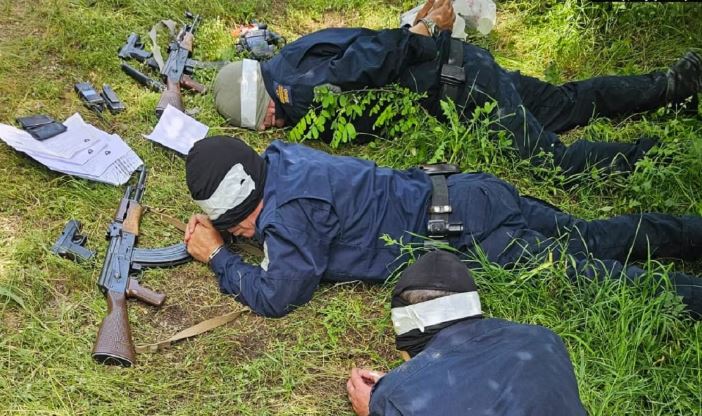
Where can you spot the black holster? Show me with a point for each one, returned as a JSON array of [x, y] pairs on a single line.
[[439, 228]]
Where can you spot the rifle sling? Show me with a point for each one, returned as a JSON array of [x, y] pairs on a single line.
[[194, 330], [166, 218], [153, 33]]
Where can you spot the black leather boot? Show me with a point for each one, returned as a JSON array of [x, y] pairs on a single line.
[[685, 82]]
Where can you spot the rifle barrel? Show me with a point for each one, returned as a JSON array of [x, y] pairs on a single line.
[[141, 185], [141, 78]]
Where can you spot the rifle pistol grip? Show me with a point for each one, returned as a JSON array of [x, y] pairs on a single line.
[[135, 290]]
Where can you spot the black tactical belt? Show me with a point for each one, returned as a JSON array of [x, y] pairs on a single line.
[[439, 228], [453, 77]]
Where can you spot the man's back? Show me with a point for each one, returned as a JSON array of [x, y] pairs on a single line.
[[350, 59], [483, 367], [364, 201]]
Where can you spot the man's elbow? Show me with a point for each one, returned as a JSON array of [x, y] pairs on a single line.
[[265, 309], [277, 301], [273, 312], [270, 301], [272, 309]]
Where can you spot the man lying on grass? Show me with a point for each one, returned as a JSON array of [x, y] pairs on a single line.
[[322, 217], [459, 363], [423, 58]]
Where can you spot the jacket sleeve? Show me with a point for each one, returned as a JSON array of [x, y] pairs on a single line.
[[383, 407], [296, 249], [377, 59]]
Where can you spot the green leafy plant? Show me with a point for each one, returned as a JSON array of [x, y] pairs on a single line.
[[395, 109], [474, 141]]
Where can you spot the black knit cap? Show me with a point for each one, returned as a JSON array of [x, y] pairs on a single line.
[[209, 161], [436, 270]]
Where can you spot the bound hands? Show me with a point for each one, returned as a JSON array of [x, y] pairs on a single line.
[[440, 11], [201, 237], [359, 388]]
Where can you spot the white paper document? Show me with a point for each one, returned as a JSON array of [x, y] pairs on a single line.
[[82, 150], [177, 130]]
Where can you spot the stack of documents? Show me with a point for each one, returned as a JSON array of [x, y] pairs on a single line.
[[82, 150], [177, 130]]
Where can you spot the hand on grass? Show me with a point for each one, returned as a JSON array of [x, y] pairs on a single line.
[[359, 388]]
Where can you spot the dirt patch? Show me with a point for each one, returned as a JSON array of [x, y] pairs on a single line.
[[191, 298], [11, 320], [9, 227], [251, 339], [338, 19], [12, 19], [277, 8]]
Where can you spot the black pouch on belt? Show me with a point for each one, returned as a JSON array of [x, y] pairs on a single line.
[[453, 77]]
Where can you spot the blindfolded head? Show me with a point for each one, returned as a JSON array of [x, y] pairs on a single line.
[[240, 94], [225, 178], [433, 293]]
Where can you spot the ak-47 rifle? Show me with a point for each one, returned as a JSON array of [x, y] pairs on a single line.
[[122, 261], [176, 70]]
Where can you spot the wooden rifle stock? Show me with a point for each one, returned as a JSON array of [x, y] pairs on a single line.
[[171, 95], [114, 343]]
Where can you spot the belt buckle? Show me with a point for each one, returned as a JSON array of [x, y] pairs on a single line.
[[445, 169]]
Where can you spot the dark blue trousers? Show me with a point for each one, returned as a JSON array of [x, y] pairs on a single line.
[[510, 230], [608, 246], [534, 111]]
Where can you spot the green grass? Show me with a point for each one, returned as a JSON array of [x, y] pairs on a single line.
[[633, 352]]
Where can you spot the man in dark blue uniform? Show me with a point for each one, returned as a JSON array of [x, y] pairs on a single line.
[[459, 363], [322, 217], [281, 90]]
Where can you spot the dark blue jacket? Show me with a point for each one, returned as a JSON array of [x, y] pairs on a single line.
[[351, 59], [483, 367], [323, 218]]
